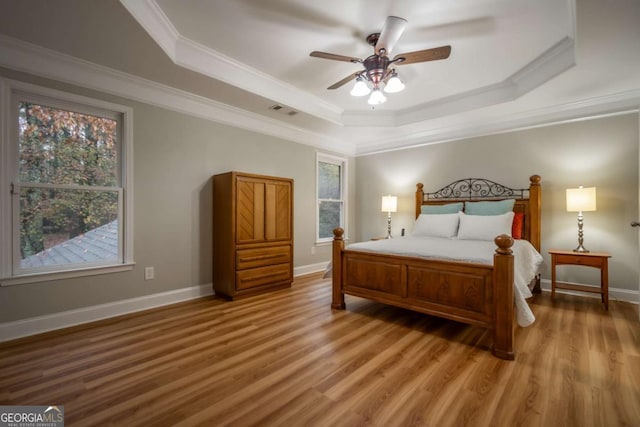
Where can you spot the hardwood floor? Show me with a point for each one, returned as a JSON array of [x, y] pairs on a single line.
[[287, 359]]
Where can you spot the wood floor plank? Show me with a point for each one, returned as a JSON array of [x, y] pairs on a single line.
[[286, 359]]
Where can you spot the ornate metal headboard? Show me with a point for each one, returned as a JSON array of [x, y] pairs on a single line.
[[476, 188], [528, 200]]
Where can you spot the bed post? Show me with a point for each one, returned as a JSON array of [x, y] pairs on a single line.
[[419, 198], [535, 215], [535, 199], [503, 298], [337, 298]]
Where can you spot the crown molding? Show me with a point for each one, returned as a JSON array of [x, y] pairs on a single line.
[[201, 59], [204, 60], [586, 109], [155, 23], [22, 56], [557, 59]]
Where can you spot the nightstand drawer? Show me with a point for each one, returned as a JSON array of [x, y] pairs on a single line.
[[588, 261]]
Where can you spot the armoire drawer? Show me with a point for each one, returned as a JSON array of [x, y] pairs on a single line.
[[261, 276], [251, 258]]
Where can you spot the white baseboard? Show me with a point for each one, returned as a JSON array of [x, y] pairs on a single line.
[[615, 294], [50, 322], [308, 269]]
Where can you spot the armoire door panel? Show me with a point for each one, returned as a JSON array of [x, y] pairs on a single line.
[[244, 207], [258, 211], [283, 212], [270, 211], [250, 211]]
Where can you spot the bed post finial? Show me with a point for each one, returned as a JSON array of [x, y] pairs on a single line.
[[337, 297], [419, 198], [338, 233], [504, 243]]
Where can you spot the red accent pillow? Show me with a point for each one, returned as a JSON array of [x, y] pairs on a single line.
[[516, 227]]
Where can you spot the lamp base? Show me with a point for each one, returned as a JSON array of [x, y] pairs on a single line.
[[580, 249], [388, 225]]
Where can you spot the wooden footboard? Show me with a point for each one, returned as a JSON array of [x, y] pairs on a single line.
[[475, 294]]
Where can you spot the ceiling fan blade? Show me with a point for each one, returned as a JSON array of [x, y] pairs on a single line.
[[344, 81], [335, 57], [391, 32], [434, 54]]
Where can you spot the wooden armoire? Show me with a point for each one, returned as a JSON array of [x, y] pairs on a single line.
[[252, 234]]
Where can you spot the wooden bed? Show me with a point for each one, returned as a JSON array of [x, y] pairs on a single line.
[[475, 294]]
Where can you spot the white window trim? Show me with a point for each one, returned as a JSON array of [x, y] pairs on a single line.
[[328, 158], [7, 147]]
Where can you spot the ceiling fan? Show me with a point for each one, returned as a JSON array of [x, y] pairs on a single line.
[[378, 67]]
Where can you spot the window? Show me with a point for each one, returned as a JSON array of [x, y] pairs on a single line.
[[63, 192], [330, 181]]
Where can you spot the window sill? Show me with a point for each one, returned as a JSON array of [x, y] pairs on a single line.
[[44, 277], [328, 242]]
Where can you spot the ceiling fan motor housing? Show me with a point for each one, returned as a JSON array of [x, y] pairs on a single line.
[[372, 39], [376, 68]]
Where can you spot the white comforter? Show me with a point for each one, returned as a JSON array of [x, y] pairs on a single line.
[[527, 260]]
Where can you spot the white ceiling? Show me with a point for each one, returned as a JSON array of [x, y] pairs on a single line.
[[268, 42], [513, 63]]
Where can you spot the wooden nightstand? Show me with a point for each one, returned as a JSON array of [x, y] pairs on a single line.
[[590, 259]]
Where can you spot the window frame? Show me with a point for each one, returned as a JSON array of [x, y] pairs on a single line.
[[10, 271], [343, 163]]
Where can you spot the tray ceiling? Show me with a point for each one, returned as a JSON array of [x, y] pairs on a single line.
[[513, 63]]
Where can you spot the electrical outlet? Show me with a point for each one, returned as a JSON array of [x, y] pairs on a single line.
[[313, 250], [149, 273]]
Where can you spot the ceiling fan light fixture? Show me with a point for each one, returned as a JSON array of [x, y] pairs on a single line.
[[377, 97], [378, 70], [360, 88], [394, 84]]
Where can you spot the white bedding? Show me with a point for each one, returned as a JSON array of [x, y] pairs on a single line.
[[527, 260]]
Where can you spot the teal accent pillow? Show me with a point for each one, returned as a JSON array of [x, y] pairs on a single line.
[[489, 207], [449, 208]]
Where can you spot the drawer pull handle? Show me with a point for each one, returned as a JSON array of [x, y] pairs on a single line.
[[261, 257], [263, 276]]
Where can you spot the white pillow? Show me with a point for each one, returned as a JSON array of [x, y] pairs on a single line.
[[481, 227], [436, 225]]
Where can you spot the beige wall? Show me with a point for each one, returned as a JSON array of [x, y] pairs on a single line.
[[174, 158], [601, 152]]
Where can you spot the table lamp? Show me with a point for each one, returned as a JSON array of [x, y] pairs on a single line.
[[581, 200], [389, 204]]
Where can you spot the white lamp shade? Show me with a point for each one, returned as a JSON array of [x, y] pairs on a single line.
[[377, 97], [581, 199], [389, 203], [360, 88], [394, 85]]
